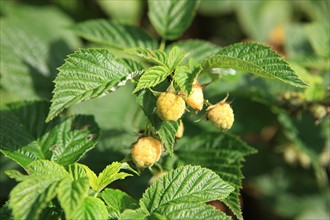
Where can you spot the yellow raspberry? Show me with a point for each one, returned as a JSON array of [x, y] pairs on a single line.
[[221, 114], [170, 107], [196, 97], [179, 132], [146, 151]]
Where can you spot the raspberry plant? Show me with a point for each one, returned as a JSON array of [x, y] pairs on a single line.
[[47, 139]]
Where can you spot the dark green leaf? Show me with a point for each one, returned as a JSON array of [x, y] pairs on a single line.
[[171, 18], [189, 186], [24, 136], [86, 74], [114, 34], [167, 132], [254, 58], [184, 76]]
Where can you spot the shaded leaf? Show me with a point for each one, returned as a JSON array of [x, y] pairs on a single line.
[[171, 18], [114, 34]]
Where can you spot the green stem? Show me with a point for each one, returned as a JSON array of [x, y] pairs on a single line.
[[162, 44]]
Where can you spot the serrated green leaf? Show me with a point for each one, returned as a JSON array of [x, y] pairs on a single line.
[[130, 214], [155, 56], [152, 77], [91, 208], [175, 56], [86, 74], [254, 58], [71, 193], [196, 49], [184, 76], [221, 152], [184, 185], [107, 176], [117, 202], [114, 34], [167, 132], [32, 195], [24, 137], [192, 211], [110, 174], [14, 174], [171, 17]]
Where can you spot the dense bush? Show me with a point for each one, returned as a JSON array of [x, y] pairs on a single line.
[[165, 104]]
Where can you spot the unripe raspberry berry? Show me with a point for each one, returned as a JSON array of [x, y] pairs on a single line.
[[179, 132], [196, 97], [221, 114], [170, 107], [146, 151]]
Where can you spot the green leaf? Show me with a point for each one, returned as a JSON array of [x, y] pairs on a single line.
[[91, 208], [221, 152], [73, 189], [24, 137], [14, 174], [152, 77], [31, 196], [171, 18], [192, 211], [86, 74], [188, 186], [254, 58], [33, 44], [196, 49], [114, 34], [107, 176], [184, 76], [175, 56], [167, 132], [130, 214], [117, 202], [155, 56]]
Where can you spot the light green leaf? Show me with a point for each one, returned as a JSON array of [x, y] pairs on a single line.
[[130, 214], [107, 176], [118, 201], [167, 132], [110, 174], [86, 74], [91, 208], [221, 152], [31, 196], [114, 34], [24, 137], [184, 76], [14, 174], [175, 56], [184, 185], [71, 193], [152, 77], [196, 49], [254, 58], [155, 56], [171, 18], [319, 37]]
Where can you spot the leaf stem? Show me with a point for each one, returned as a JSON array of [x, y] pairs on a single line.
[[162, 44]]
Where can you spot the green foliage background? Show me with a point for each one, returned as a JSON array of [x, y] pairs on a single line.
[[286, 179]]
